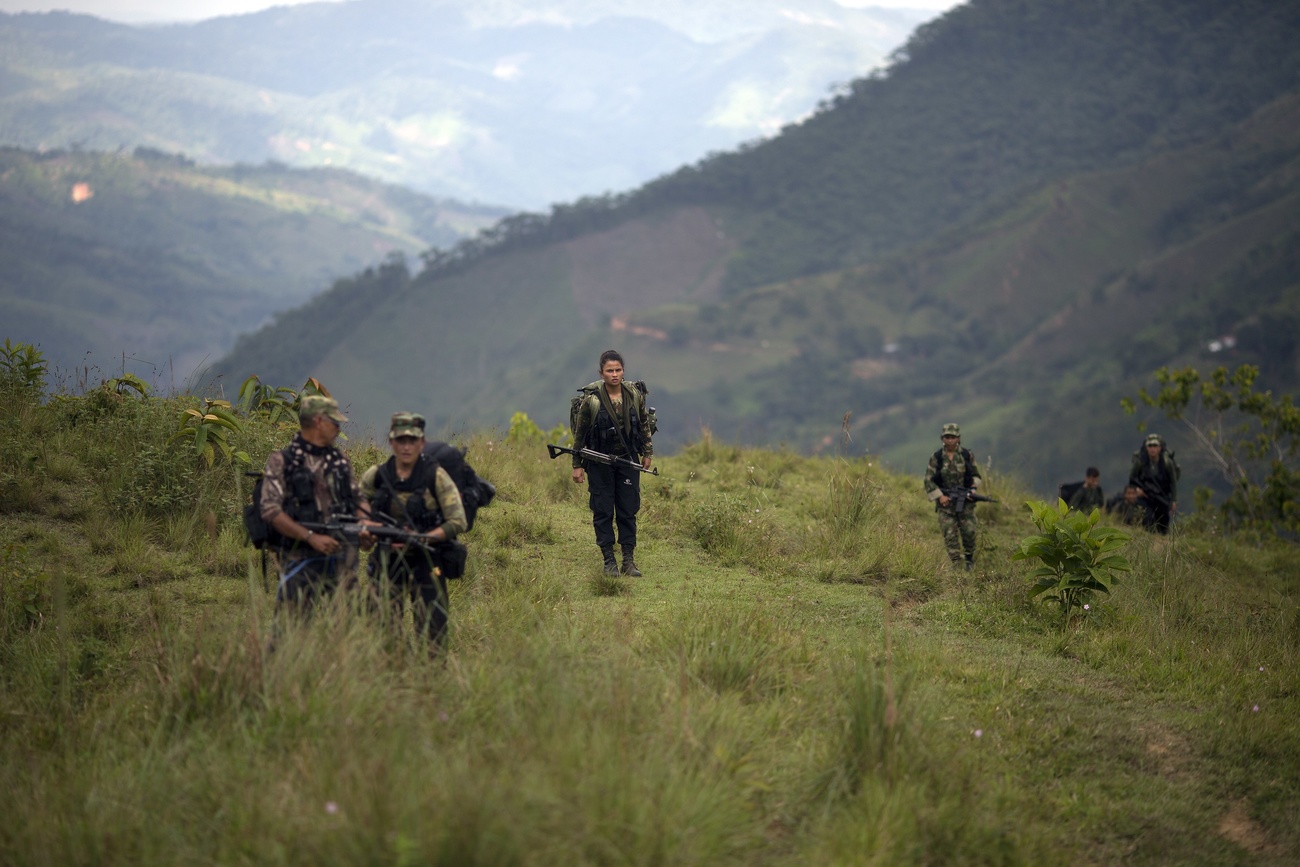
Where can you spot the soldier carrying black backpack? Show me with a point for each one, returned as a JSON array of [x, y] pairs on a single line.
[[414, 492]]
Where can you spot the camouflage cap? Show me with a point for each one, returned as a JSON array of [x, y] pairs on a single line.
[[406, 424], [951, 430], [319, 404], [1153, 440]]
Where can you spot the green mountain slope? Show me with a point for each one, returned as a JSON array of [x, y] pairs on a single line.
[[151, 256], [994, 98], [1023, 302]]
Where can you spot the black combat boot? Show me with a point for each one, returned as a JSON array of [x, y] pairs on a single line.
[[629, 567], [970, 561], [611, 565]]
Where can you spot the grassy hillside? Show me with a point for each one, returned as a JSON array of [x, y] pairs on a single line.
[[100, 254], [798, 679]]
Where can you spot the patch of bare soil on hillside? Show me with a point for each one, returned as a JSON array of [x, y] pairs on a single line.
[[870, 368], [1240, 828], [1167, 750], [629, 268]]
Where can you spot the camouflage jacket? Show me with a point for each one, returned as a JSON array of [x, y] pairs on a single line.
[[951, 470], [326, 482], [595, 430], [444, 499]]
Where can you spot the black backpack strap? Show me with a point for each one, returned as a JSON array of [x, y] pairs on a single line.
[[608, 404]]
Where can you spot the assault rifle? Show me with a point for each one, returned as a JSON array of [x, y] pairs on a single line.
[[348, 529], [599, 457], [960, 496]]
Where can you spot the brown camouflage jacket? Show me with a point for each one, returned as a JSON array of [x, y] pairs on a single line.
[[319, 462]]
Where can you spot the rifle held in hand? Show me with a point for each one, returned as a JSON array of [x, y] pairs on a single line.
[[348, 529], [960, 496]]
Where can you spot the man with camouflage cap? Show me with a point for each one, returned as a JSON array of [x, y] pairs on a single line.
[[410, 490], [1155, 475], [952, 469], [309, 481]]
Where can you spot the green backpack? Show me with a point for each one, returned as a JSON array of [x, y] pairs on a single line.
[[647, 413]]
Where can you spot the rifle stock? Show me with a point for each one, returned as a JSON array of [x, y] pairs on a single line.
[[599, 457]]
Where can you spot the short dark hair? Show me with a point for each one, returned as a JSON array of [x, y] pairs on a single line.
[[610, 355], [1093, 471], [1130, 488]]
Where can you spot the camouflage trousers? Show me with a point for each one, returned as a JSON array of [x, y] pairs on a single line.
[[958, 532]]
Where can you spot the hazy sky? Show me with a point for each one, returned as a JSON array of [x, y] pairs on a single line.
[[141, 11]]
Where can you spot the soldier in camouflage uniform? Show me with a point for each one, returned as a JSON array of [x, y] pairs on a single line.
[[310, 480], [416, 494], [952, 468], [614, 491]]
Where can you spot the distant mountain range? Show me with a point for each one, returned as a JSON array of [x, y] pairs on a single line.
[[1039, 204], [146, 255], [511, 102]]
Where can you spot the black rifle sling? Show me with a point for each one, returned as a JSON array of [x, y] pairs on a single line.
[[618, 428]]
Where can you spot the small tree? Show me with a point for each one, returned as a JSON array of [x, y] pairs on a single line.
[[22, 370], [1075, 553], [1252, 437], [208, 428]]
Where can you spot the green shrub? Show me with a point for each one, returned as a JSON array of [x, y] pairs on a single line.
[[1075, 553]]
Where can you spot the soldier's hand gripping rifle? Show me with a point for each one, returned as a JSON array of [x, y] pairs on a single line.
[[348, 529], [599, 457], [960, 496]]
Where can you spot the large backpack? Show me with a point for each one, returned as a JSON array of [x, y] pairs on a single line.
[[475, 491], [261, 534], [649, 419], [1065, 490]]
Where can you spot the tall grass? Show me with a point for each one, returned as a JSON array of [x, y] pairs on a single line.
[[797, 679]]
